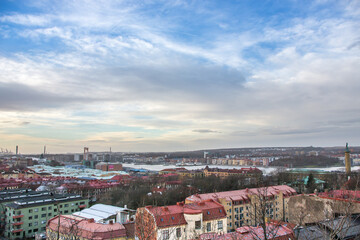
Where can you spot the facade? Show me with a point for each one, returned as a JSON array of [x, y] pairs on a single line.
[[242, 206], [72, 227], [182, 172], [223, 173], [274, 231], [181, 221], [105, 166], [312, 208], [26, 213]]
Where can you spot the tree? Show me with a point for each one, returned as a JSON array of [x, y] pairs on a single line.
[[310, 185], [327, 214], [261, 212]]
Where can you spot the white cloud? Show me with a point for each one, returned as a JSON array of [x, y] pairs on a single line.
[[116, 64]]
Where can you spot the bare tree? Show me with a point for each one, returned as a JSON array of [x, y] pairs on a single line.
[[261, 211], [331, 215]]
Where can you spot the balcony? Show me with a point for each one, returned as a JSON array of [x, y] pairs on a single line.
[[17, 230], [18, 216], [17, 223]]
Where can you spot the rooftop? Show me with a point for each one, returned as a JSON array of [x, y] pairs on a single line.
[[86, 228], [80, 173], [240, 195], [174, 215], [99, 212], [41, 199]]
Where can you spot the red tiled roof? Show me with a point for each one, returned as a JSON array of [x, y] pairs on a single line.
[[275, 232], [347, 195], [174, 215], [240, 195], [87, 228]]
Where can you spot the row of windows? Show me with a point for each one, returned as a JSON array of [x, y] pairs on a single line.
[[166, 234], [49, 208]]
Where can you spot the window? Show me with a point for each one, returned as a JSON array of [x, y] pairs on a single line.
[[30, 217], [30, 224], [165, 235], [36, 216], [66, 205], [36, 210], [66, 211], [29, 231], [50, 208], [43, 215], [49, 214], [30, 210], [208, 227], [43, 222], [220, 225], [35, 230], [178, 232], [43, 209], [35, 223], [197, 224], [19, 213]]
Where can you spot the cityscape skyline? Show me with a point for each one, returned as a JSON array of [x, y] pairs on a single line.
[[175, 76]]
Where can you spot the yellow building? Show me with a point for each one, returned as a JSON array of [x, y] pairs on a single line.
[[242, 206], [223, 173]]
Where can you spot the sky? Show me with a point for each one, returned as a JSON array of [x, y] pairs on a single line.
[[178, 75]]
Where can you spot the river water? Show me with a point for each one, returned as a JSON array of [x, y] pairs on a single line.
[[265, 170]]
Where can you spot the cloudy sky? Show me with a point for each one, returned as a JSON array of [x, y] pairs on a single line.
[[178, 75]]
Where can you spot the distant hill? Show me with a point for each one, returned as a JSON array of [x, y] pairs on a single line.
[[307, 161]]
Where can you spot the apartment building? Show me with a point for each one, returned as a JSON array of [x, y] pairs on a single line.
[[242, 206], [223, 173], [25, 213], [180, 221]]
